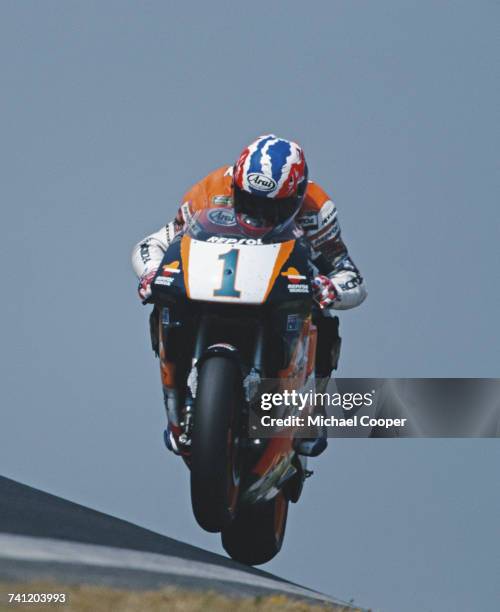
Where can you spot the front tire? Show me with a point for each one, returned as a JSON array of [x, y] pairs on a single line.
[[256, 534], [214, 449]]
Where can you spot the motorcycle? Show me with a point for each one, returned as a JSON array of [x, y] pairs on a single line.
[[233, 307]]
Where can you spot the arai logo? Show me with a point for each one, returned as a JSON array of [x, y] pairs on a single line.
[[222, 217], [261, 182]]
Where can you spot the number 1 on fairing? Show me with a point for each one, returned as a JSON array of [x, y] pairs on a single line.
[[227, 289]]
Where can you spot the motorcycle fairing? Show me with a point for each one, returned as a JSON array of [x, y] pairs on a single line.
[[224, 267], [206, 272]]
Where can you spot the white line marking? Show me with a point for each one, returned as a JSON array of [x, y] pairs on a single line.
[[26, 548]]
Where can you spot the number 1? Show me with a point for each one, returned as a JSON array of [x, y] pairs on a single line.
[[227, 289]]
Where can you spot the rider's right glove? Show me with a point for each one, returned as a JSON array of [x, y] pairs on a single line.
[[144, 288]]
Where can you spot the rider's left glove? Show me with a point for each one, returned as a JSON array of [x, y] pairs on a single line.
[[144, 288], [324, 291]]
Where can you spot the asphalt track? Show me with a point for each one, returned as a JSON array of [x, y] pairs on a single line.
[[43, 536]]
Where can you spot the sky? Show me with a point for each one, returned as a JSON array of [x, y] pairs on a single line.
[[110, 110]]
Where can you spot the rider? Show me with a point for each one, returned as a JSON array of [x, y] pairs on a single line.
[[267, 186]]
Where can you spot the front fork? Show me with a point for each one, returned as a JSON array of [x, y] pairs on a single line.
[[180, 417]]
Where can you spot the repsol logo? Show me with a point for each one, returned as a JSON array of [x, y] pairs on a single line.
[[223, 240], [261, 182]]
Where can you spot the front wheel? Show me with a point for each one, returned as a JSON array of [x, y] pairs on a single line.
[[256, 534], [215, 444]]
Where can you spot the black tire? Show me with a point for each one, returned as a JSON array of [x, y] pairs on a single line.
[[214, 450], [256, 534]]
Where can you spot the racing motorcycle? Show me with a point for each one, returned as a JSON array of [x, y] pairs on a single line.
[[233, 306]]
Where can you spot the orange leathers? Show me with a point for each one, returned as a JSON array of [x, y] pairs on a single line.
[[317, 217]]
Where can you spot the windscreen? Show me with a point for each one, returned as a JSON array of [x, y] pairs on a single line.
[[210, 223]]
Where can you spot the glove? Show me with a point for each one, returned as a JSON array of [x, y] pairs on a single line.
[[144, 288], [324, 291]]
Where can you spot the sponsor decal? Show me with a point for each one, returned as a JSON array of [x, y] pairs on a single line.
[[331, 233], [170, 268], [351, 284], [261, 182], [293, 275], [186, 211], [327, 212], [164, 280], [298, 288], [165, 316], [308, 220], [220, 200], [144, 251], [222, 217], [292, 322], [224, 240]]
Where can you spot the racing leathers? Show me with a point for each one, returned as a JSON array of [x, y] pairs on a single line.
[[338, 279]]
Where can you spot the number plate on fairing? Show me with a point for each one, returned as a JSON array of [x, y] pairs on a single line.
[[241, 273]]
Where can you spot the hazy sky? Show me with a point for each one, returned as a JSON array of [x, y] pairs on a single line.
[[110, 110]]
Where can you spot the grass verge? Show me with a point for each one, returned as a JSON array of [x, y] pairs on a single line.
[[87, 598]]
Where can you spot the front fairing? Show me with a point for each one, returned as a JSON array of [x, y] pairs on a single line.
[[217, 260]]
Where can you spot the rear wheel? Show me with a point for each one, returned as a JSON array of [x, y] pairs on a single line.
[[215, 444], [256, 534]]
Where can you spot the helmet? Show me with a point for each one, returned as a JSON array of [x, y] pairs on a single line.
[[269, 181]]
